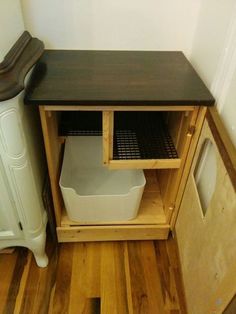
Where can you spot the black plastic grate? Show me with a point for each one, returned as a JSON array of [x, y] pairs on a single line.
[[142, 135], [83, 123], [137, 135]]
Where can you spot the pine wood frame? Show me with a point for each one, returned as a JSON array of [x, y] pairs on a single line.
[[172, 186]]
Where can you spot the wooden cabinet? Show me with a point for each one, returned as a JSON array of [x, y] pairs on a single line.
[[122, 96], [148, 106]]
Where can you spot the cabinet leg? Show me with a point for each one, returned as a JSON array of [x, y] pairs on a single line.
[[37, 246]]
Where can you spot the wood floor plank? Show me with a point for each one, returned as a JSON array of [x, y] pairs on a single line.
[[92, 306], [18, 280], [113, 281], [170, 276], [126, 277], [9, 250], [180, 290], [85, 279], [173, 253], [39, 284], [167, 277], [7, 266], [52, 294], [77, 302], [21, 292], [145, 282], [61, 297], [93, 266]]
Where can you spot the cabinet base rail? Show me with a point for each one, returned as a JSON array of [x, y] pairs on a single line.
[[112, 233]]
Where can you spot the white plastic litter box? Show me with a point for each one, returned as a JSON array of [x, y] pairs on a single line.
[[91, 192]]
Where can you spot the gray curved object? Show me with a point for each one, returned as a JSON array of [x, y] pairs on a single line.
[[17, 63]]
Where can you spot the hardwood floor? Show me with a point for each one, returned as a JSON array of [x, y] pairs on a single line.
[[135, 277]]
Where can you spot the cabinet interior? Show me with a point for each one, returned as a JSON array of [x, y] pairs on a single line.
[[151, 209], [162, 185], [136, 134]]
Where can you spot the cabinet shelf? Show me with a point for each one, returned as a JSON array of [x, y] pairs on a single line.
[[80, 123], [142, 135], [137, 136]]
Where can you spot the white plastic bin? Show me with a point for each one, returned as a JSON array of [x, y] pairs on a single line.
[[91, 192]]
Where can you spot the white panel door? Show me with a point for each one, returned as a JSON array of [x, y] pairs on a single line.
[[9, 220]]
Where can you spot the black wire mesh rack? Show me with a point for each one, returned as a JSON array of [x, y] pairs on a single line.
[[81, 123], [137, 135]]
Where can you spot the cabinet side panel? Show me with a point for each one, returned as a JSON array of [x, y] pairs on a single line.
[[170, 179], [188, 162], [207, 241], [53, 153]]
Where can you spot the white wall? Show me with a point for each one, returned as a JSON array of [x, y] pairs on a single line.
[[228, 110], [113, 24], [204, 29], [214, 56], [11, 24]]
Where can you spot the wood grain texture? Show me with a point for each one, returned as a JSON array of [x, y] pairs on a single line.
[[188, 163], [231, 308], [17, 63], [112, 233], [53, 148], [9, 250], [85, 280], [145, 164], [224, 143], [34, 296], [207, 241], [94, 278], [146, 290], [170, 185], [115, 108], [167, 255], [61, 298], [6, 275], [107, 139], [113, 283], [70, 77]]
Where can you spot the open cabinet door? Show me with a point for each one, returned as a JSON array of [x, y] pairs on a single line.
[[206, 224]]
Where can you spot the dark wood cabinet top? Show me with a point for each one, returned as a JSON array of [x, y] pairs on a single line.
[[71, 77]]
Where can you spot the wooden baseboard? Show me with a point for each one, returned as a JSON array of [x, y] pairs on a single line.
[[112, 233]]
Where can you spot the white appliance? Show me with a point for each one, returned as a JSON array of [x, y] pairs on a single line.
[[22, 168], [22, 215]]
